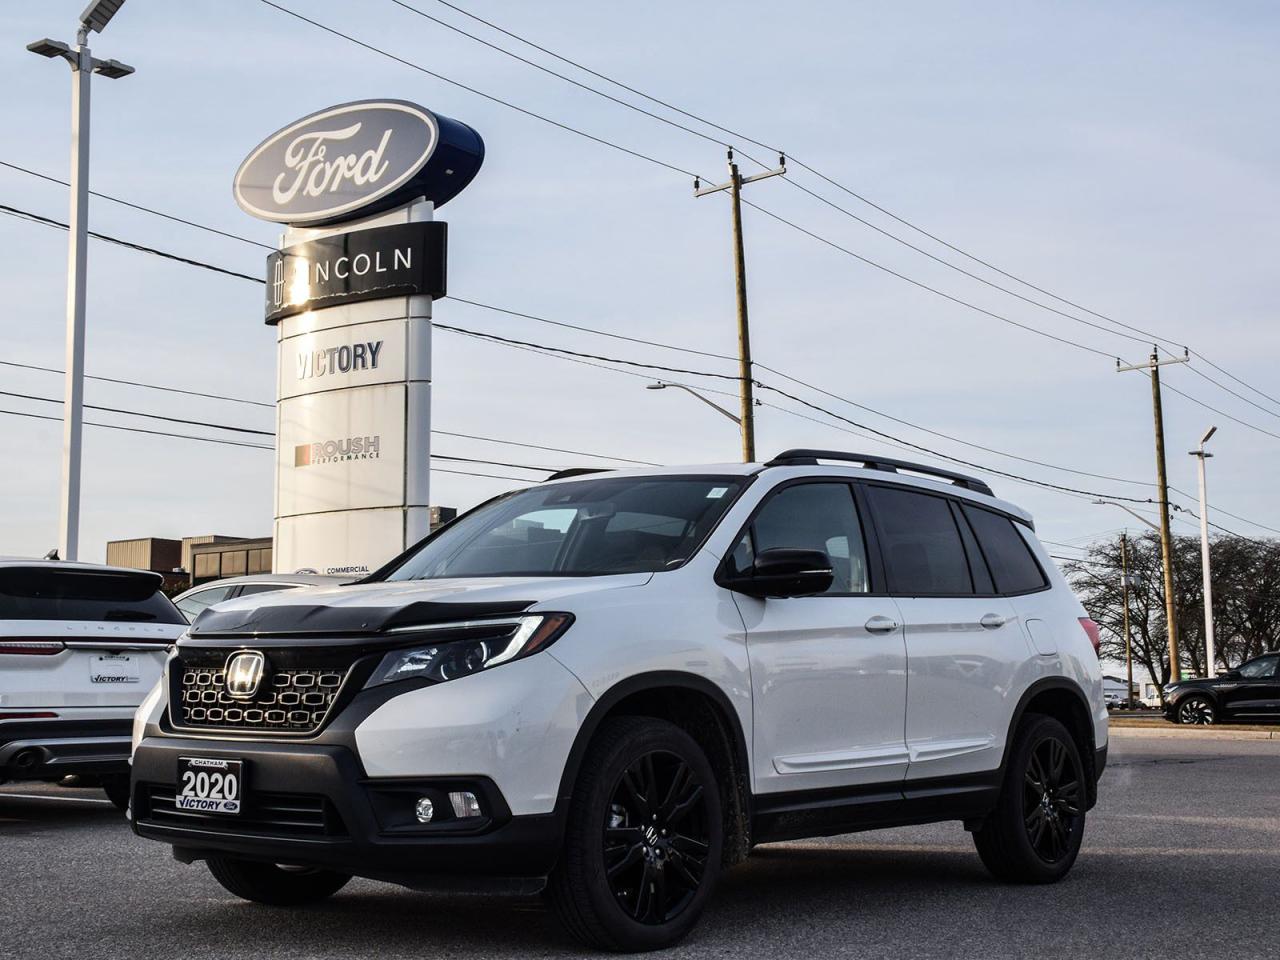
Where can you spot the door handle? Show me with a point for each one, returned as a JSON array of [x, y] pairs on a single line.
[[993, 621], [881, 625]]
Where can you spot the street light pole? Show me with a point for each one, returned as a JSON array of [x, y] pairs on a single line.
[[659, 385], [83, 66], [1124, 593], [1202, 456]]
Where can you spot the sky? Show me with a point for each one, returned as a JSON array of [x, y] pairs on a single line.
[[1118, 154]]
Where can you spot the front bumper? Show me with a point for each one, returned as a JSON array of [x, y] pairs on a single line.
[[51, 749], [313, 805]]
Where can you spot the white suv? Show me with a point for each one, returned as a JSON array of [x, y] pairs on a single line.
[[80, 646], [613, 685]]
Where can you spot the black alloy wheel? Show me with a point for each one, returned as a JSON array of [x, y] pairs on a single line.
[[1051, 799], [1197, 711], [643, 840], [656, 838], [1034, 832]]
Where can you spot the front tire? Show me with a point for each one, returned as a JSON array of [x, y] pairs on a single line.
[[274, 884], [643, 840], [1197, 711], [1035, 832]]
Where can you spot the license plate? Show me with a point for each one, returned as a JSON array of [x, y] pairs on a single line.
[[113, 668], [208, 785]]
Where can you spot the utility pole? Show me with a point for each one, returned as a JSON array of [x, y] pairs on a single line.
[[1124, 593], [83, 65], [734, 186], [1210, 652], [1153, 365]]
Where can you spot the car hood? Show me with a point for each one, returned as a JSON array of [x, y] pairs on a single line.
[[365, 608]]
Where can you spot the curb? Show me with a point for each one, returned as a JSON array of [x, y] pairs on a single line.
[[1193, 733]]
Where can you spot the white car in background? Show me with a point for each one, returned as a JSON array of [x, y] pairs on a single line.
[[81, 645]]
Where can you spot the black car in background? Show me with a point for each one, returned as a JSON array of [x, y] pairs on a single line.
[[1249, 692]]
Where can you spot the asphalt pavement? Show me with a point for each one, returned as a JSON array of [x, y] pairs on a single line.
[[1181, 858]]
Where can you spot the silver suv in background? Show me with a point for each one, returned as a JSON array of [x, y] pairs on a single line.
[[196, 600]]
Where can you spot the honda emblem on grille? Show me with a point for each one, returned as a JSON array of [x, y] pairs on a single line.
[[245, 671]]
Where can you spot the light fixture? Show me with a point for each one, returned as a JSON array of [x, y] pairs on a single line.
[[99, 13], [424, 810], [465, 804], [112, 69], [49, 48]]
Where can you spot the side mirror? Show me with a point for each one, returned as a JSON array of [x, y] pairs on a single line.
[[1230, 674], [785, 572]]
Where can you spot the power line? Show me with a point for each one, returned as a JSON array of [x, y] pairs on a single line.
[[494, 337], [140, 207], [157, 433], [149, 416], [480, 93], [139, 383], [1146, 335], [50, 222], [260, 446]]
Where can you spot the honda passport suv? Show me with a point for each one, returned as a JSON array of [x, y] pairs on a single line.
[[612, 685]]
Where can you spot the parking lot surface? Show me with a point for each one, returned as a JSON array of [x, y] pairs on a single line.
[[1181, 856]]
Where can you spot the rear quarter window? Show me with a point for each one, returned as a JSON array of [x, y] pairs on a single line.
[[44, 593], [1013, 567]]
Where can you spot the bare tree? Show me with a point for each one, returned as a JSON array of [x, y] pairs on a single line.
[[1246, 599]]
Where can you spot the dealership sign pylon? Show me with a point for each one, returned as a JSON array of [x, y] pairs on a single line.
[[350, 293]]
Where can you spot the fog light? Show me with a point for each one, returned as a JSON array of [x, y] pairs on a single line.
[[424, 809], [465, 804]]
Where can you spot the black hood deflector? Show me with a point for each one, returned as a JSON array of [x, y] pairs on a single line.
[[302, 620]]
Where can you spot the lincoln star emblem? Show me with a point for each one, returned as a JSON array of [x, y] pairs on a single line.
[[244, 674]]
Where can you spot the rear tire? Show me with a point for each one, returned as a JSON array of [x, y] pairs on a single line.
[[274, 884], [1034, 833], [116, 787], [644, 838]]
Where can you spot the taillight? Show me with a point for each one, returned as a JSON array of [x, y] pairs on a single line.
[[33, 715], [32, 646], [1095, 635]]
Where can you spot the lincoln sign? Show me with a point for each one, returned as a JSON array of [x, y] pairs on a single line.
[[349, 293], [389, 261]]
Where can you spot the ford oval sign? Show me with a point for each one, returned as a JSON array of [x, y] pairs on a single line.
[[357, 159]]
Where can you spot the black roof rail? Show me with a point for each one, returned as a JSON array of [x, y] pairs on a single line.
[[806, 457], [576, 472]]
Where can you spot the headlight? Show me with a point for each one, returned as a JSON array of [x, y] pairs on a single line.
[[461, 648]]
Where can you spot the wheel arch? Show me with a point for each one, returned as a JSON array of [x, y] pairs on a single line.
[[1064, 700], [701, 709]]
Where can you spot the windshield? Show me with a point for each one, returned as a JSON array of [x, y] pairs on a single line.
[[584, 528]]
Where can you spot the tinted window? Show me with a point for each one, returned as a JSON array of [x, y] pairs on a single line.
[[812, 516], [583, 528], [1012, 564], [195, 604], [41, 593], [921, 544], [251, 588], [1259, 669]]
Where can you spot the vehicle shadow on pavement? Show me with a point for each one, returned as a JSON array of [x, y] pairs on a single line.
[[757, 902], [19, 813]]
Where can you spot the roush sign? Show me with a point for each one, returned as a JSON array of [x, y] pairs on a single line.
[[355, 160]]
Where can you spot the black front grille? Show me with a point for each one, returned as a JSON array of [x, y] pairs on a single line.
[[263, 813], [296, 695]]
